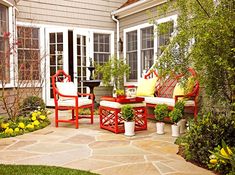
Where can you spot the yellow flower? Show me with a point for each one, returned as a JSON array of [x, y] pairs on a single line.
[[222, 151], [42, 117], [38, 113], [34, 114], [4, 125], [9, 131], [34, 118], [21, 125], [30, 126], [17, 130], [36, 123], [213, 161]]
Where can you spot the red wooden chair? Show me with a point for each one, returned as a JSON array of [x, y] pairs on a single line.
[[66, 97]]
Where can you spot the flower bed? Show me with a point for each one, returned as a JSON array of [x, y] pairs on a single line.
[[34, 120]]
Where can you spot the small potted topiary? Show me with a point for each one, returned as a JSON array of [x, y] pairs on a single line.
[[175, 115], [160, 111], [128, 117], [182, 123]]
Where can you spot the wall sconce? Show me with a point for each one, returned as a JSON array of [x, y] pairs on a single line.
[[120, 45]]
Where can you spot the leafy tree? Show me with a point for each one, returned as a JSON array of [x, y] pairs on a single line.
[[205, 40]]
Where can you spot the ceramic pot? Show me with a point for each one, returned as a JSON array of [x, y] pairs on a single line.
[[182, 124], [160, 127], [129, 128], [175, 130]]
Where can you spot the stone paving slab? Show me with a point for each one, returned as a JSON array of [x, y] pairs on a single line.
[[97, 150]]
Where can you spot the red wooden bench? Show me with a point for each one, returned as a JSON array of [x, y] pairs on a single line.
[[164, 93]]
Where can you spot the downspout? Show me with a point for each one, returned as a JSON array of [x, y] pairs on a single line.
[[117, 39]]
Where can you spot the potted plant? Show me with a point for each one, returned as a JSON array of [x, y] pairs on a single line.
[[175, 115], [160, 111], [182, 123], [120, 93], [128, 117], [112, 74]]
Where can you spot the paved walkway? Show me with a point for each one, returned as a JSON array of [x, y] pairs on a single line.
[[100, 151]]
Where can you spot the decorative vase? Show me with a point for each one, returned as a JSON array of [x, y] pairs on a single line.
[[129, 128], [175, 130], [160, 127], [182, 124]]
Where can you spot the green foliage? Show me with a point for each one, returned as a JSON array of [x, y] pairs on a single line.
[[32, 103], [175, 115], [40, 170], [205, 39], [161, 111], [120, 92], [223, 157], [114, 68], [127, 113], [180, 105], [206, 134], [33, 121]]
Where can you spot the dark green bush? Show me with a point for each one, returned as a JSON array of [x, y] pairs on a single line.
[[32, 103], [205, 135]]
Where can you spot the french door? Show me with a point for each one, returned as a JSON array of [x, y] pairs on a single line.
[[56, 58], [80, 58]]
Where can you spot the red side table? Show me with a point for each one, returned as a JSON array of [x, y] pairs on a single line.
[[110, 113]]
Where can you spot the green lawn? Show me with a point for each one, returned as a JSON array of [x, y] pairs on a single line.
[[39, 170]]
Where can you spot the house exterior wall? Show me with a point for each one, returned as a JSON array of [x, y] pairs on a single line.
[[69, 13], [139, 18]]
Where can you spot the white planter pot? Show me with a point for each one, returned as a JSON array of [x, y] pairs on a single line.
[[129, 128], [175, 130], [182, 124], [160, 127]]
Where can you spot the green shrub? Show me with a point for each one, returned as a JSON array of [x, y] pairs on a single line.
[[161, 111], [180, 105], [175, 115], [205, 135], [127, 113], [32, 103]]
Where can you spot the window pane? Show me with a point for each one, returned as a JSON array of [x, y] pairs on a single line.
[[28, 53], [4, 44], [147, 50], [132, 54], [101, 48]]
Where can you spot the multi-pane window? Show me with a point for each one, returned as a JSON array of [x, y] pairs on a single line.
[[131, 54], [28, 53], [4, 43], [147, 49], [101, 48], [164, 36]]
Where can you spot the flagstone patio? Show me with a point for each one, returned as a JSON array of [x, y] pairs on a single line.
[[100, 151]]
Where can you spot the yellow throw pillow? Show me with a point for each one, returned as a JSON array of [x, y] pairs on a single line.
[[178, 90], [146, 87]]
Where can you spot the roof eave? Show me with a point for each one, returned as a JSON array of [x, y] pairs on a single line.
[[136, 7]]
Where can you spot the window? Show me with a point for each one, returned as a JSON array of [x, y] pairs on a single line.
[[28, 53], [101, 48], [4, 44], [131, 54], [164, 36], [147, 49]]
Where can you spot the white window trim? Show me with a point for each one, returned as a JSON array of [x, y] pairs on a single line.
[[138, 29], [41, 52], [11, 15], [91, 36]]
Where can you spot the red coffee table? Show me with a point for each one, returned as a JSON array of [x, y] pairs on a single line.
[[110, 113]]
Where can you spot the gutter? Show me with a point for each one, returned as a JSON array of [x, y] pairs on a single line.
[[117, 39]]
